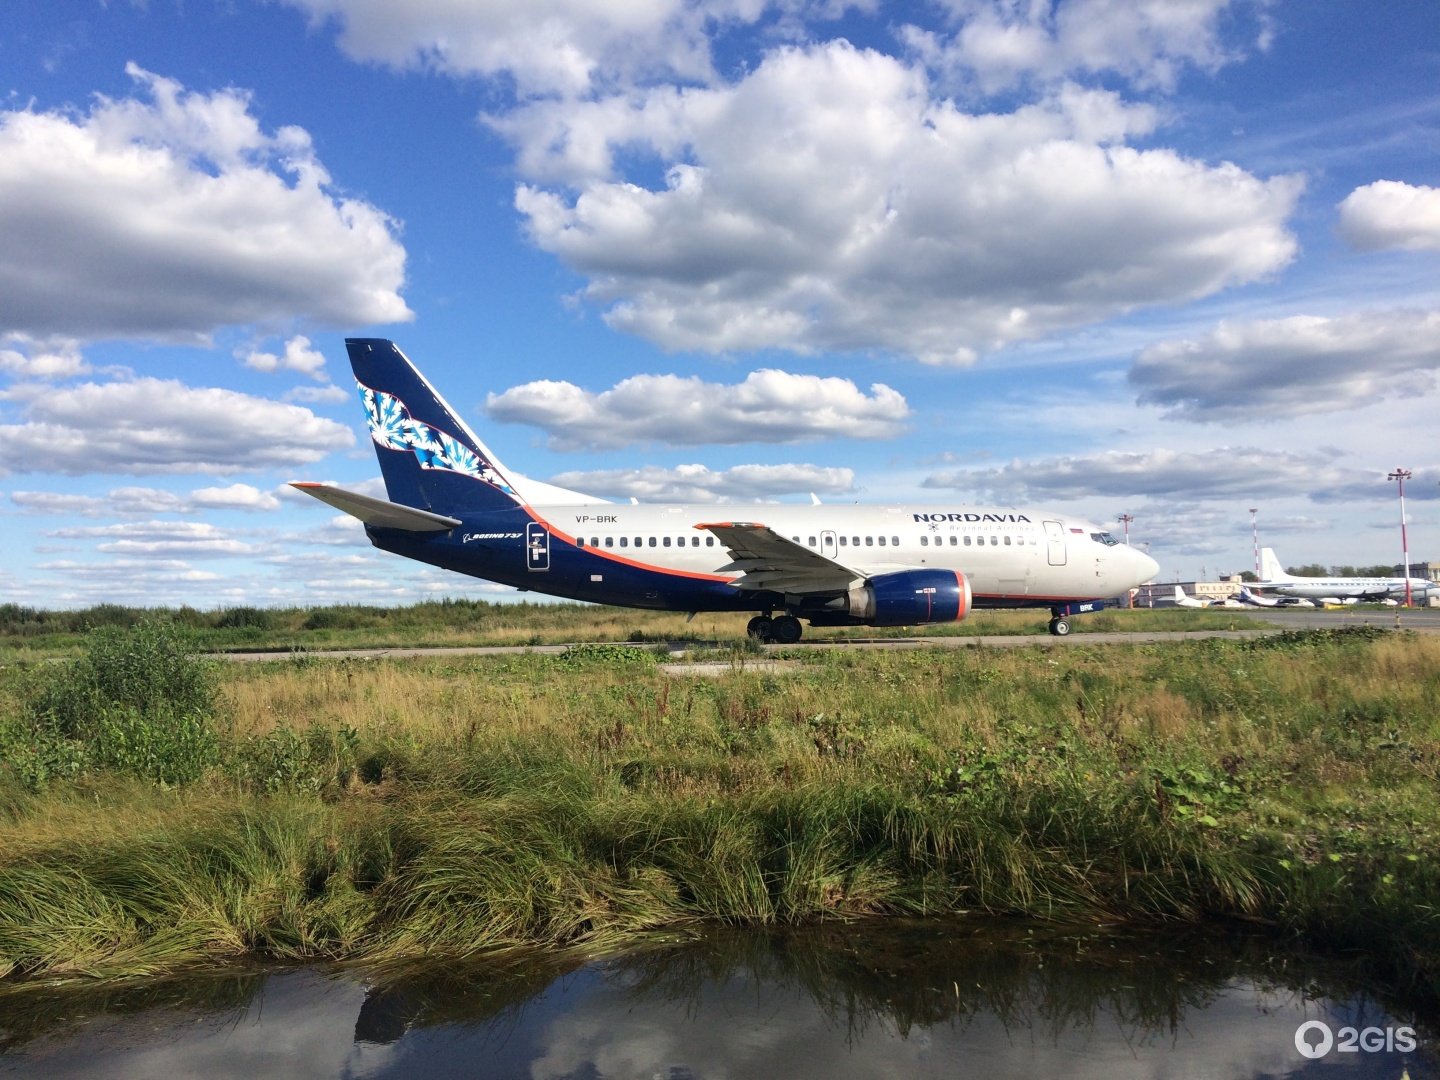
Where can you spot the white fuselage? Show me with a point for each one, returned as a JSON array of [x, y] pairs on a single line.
[[1007, 553]]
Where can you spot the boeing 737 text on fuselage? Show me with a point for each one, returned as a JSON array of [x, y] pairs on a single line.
[[454, 505]]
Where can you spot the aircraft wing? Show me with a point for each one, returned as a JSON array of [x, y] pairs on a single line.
[[768, 561], [386, 515]]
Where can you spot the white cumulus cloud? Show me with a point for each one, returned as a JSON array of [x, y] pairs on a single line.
[[996, 44], [1389, 214], [1221, 472], [173, 214], [142, 500], [329, 394], [699, 483], [768, 406], [547, 46], [28, 359], [1273, 368], [136, 574], [828, 201], [162, 426], [234, 497], [299, 356], [159, 539]]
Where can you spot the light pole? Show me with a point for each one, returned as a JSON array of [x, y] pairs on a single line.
[[1255, 541], [1402, 475]]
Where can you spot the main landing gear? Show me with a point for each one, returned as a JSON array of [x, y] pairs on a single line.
[[785, 630], [1059, 626]]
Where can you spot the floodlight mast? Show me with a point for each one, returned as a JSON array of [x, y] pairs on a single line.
[[1402, 475], [1255, 541]]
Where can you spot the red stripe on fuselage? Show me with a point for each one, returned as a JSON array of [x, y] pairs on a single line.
[[667, 570]]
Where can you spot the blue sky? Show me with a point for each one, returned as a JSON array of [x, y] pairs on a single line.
[[1171, 258]]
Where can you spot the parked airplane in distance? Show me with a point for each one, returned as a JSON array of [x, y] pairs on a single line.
[[1278, 583], [1183, 599], [1252, 598], [454, 505]]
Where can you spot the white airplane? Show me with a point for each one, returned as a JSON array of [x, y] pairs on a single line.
[[1253, 598], [1183, 599], [454, 505], [1278, 583]]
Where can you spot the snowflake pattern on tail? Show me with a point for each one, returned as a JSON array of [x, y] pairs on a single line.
[[392, 426]]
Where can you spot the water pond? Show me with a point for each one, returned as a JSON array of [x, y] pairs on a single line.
[[888, 998]]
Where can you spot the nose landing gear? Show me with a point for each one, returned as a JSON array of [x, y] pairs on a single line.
[[1061, 614]]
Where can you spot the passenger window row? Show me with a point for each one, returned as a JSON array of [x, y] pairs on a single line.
[[641, 541], [854, 541], [968, 540]]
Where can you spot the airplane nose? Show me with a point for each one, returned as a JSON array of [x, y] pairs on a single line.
[[1146, 568]]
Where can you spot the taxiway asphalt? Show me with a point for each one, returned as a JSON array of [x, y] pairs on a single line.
[[1248, 624]]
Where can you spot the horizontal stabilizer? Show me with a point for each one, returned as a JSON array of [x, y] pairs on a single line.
[[378, 512]]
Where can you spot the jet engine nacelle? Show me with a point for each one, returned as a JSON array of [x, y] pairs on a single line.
[[918, 596], [904, 598]]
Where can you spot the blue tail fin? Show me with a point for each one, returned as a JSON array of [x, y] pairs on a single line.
[[428, 456]]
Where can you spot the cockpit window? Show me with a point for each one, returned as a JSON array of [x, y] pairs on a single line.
[[1104, 538]]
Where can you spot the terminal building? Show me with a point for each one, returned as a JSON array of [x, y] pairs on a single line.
[[1430, 571], [1162, 593]]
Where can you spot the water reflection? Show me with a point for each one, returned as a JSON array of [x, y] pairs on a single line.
[[874, 999]]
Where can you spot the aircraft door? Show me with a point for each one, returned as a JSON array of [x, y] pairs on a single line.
[[537, 547], [1055, 543], [827, 544]]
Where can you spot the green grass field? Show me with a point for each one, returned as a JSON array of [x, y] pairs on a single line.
[[328, 808], [27, 633]]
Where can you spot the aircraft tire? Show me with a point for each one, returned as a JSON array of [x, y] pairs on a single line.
[[1060, 627], [761, 628], [786, 630]]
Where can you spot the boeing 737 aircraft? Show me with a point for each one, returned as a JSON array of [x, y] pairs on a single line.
[[454, 505], [1279, 583]]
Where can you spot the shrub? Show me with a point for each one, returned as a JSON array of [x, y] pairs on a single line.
[[314, 760], [245, 618], [345, 617], [138, 701], [602, 655], [325, 619]]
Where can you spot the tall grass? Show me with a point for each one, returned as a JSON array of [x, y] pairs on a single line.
[[388, 809]]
